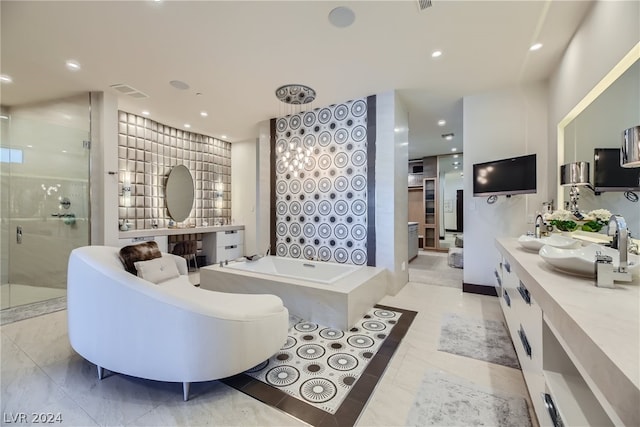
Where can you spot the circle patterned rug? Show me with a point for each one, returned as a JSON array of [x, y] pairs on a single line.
[[320, 365]]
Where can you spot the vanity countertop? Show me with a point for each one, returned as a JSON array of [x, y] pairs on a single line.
[[178, 230], [600, 326]]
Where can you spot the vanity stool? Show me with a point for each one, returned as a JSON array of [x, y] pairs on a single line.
[[187, 249]]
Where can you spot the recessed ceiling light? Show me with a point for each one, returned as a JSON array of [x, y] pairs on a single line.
[[341, 17], [442, 122], [455, 167], [204, 113], [64, 151], [436, 53], [6, 79], [145, 113], [187, 125], [535, 46], [454, 149], [179, 85], [72, 65], [448, 136], [29, 146], [223, 136]]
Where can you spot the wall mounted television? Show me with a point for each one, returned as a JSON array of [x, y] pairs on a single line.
[[515, 175], [608, 175]]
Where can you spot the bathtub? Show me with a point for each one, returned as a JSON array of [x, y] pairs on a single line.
[[330, 294]]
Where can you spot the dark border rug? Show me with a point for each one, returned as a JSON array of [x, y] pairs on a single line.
[[358, 394]]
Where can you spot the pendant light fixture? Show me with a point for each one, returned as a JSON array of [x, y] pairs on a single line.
[[293, 154]]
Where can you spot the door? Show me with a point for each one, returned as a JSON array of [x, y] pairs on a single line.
[[45, 201], [459, 211]]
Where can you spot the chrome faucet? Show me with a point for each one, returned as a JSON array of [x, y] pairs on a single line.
[[539, 222], [605, 273], [618, 229]]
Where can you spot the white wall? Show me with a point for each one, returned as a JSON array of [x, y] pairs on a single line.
[[392, 159], [500, 124], [263, 189], [104, 159], [608, 32], [244, 193]]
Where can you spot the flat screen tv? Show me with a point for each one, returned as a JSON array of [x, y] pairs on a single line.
[[608, 175], [515, 175]]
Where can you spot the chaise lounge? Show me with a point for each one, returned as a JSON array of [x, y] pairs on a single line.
[[171, 331]]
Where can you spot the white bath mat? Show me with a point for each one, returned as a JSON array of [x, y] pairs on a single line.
[[486, 340], [447, 400]]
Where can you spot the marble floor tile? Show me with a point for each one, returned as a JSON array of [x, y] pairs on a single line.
[[41, 372], [26, 389]]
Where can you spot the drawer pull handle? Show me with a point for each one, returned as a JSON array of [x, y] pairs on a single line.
[[552, 409], [524, 293], [507, 267], [507, 298], [495, 272], [231, 232], [231, 247], [525, 341]]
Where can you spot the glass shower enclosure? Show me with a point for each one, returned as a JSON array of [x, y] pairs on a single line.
[[44, 182]]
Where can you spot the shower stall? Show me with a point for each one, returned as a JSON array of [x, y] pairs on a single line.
[[44, 190]]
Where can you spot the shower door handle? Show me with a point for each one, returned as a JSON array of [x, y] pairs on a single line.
[[19, 234]]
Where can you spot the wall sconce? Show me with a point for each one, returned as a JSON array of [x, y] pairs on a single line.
[[126, 189], [218, 194], [630, 151], [574, 174]]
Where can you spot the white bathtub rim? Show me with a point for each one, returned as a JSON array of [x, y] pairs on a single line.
[[352, 269], [343, 285]]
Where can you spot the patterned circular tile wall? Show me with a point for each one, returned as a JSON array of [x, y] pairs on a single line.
[[321, 211]]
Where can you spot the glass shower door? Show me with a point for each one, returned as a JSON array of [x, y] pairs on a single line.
[[45, 196]]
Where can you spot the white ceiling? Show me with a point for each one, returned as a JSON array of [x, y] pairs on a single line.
[[236, 53]]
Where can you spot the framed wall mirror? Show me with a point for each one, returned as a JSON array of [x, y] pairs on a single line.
[[597, 123], [179, 193]]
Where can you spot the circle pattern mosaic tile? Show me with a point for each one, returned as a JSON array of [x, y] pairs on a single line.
[[320, 365], [333, 184]]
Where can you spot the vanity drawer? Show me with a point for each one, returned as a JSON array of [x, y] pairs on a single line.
[[229, 252], [227, 238]]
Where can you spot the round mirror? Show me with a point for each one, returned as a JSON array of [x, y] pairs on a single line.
[[179, 192]]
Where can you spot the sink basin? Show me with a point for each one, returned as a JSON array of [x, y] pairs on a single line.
[[581, 261], [557, 241]]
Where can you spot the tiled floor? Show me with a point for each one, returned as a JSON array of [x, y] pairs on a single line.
[[41, 373], [12, 295]]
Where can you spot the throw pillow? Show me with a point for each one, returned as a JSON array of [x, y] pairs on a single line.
[[157, 270], [129, 255]]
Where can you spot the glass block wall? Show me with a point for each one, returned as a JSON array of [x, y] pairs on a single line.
[[147, 150]]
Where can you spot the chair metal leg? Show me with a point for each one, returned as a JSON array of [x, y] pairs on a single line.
[[100, 372], [185, 391], [195, 261]]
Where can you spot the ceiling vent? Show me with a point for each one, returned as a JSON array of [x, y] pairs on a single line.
[[128, 90], [424, 4]]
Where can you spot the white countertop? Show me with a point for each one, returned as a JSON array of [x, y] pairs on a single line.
[[172, 231], [601, 326]]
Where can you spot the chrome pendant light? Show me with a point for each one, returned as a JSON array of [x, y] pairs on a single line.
[[630, 151], [576, 173]]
